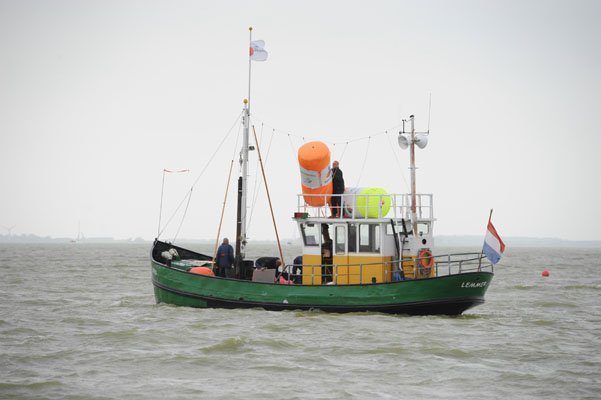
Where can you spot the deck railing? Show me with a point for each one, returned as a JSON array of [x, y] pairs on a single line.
[[400, 205], [408, 268]]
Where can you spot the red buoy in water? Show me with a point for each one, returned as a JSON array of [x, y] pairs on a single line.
[[545, 273]]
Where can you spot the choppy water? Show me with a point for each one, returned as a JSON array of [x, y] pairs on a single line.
[[80, 322]]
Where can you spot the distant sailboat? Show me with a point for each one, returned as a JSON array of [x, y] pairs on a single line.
[[79, 235], [9, 230]]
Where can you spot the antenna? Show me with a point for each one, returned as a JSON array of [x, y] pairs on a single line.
[[429, 110]]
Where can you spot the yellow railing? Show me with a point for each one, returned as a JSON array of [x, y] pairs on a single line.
[[407, 268]]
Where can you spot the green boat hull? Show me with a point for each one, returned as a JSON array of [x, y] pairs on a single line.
[[449, 295]]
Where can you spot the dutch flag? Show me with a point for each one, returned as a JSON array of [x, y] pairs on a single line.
[[493, 245]]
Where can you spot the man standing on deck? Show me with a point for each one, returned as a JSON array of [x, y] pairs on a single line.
[[338, 190], [225, 259]]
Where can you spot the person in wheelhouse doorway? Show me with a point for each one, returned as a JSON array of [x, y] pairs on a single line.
[[338, 190]]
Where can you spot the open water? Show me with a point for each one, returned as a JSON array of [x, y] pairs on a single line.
[[79, 321]]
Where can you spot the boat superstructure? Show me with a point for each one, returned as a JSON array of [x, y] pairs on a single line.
[[356, 249]]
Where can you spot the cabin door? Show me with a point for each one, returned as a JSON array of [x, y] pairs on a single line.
[[340, 257]]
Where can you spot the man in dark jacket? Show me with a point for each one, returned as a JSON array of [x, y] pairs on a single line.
[[338, 190], [225, 259]]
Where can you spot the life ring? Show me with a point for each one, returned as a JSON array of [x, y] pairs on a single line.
[[426, 261]]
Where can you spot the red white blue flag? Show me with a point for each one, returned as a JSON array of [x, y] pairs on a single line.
[[493, 245]]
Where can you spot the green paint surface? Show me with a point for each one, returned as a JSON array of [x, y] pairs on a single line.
[[188, 289]]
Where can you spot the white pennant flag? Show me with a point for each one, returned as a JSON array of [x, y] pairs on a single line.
[[257, 51]]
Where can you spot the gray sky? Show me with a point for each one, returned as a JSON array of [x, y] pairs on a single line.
[[97, 97]]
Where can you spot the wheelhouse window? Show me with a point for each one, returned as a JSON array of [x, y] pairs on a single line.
[[389, 230], [398, 228], [369, 238], [311, 234], [340, 240], [423, 228], [352, 238]]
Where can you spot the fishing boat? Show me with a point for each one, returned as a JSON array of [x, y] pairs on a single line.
[[375, 252]]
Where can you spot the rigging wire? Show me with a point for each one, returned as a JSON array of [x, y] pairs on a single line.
[[237, 140], [189, 193], [166, 171], [275, 227], [429, 110], [183, 216], [161, 206], [174, 214], [256, 182], [216, 150], [398, 163], [227, 187], [364, 161], [256, 195], [192, 188], [291, 146], [305, 138], [290, 135], [343, 151]]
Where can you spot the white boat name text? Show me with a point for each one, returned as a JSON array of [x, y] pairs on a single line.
[[473, 284]]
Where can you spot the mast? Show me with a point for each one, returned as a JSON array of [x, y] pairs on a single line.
[[412, 168], [243, 179]]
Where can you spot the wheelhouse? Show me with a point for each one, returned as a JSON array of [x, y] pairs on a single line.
[[357, 249]]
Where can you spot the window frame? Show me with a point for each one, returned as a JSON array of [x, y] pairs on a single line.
[[317, 235], [374, 238], [343, 250]]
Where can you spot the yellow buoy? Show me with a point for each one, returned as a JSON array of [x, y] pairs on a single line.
[[367, 202]]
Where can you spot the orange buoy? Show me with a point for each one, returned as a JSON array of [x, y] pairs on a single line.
[[545, 273], [316, 175], [202, 271]]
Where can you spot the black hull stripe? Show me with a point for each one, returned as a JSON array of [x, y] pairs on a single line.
[[452, 306]]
